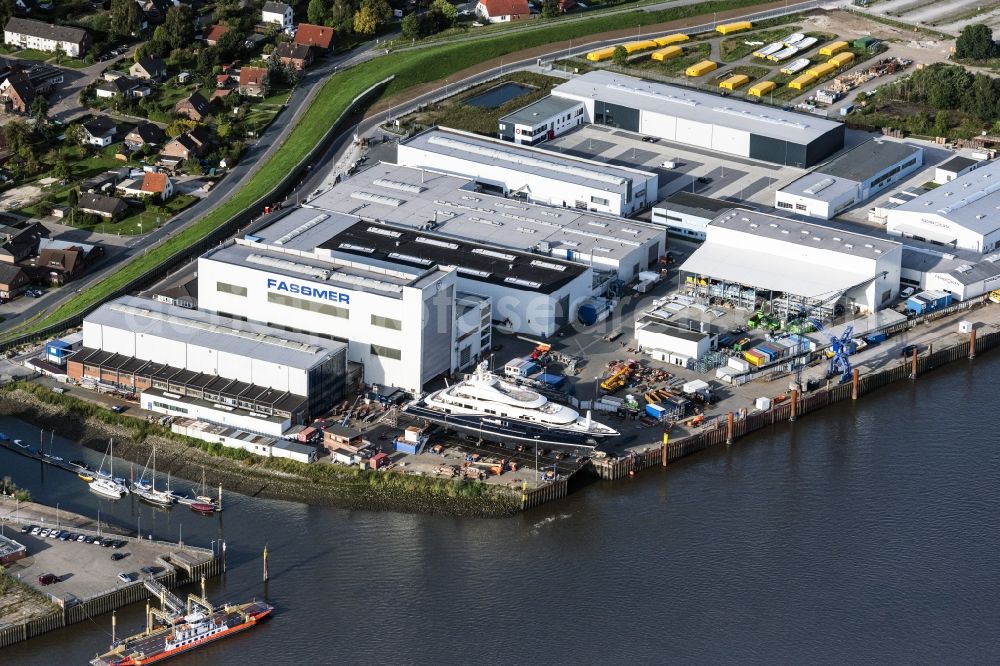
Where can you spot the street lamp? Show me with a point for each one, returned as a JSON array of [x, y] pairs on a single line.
[[57, 515]]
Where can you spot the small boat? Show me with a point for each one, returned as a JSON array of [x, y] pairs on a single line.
[[3, 437], [107, 485], [146, 489], [85, 476], [78, 463], [20, 444], [201, 507], [52, 457]]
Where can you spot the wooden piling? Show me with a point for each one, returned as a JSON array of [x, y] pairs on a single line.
[[913, 363], [729, 428], [855, 382], [663, 448], [793, 409], [972, 344]]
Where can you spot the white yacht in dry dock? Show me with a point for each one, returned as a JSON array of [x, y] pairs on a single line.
[[485, 403]]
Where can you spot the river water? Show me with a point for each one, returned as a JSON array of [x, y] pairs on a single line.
[[863, 533]]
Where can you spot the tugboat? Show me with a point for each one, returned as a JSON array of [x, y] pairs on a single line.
[[180, 631]]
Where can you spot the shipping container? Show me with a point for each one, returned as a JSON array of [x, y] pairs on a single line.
[[667, 53], [734, 82], [754, 358], [730, 28], [833, 49], [801, 82], [553, 380], [842, 60], [738, 364], [671, 39], [402, 446], [875, 338], [701, 68], [865, 42], [601, 54], [928, 301], [822, 69], [762, 88], [642, 45], [656, 411]]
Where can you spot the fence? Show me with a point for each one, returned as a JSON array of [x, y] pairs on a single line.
[[226, 229], [550, 491]]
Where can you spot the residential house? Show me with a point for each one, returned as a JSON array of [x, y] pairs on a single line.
[[59, 262], [99, 132], [254, 81], [13, 281], [31, 34], [215, 33], [155, 11], [157, 184], [194, 106], [104, 182], [16, 94], [18, 244], [278, 12], [319, 37], [502, 11], [145, 134], [107, 207], [125, 86], [151, 69], [224, 81], [191, 144], [298, 56]]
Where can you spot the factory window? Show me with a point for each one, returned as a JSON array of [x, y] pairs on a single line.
[[171, 408], [466, 356], [311, 306], [673, 218], [599, 201], [799, 206], [886, 295], [784, 204], [233, 289], [387, 322], [386, 352]]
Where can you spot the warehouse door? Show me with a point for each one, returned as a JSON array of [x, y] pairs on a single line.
[[562, 312]]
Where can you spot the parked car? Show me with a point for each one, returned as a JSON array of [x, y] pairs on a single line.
[[48, 579], [27, 528], [118, 544], [118, 409], [81, 538], [907, 292], [127, 577], [152, 571], [118, 556]]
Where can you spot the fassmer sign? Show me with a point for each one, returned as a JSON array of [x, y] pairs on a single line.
[[312, 292]]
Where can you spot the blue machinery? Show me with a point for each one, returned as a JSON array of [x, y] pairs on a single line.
[[842, 348]]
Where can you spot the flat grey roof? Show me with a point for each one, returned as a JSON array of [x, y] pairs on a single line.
[[525, 159], [971, 200], [450, 205], [957, 163], [665, 329], [696, 204], [867, 159], [334, 273], [696, 106], [965, 267], [541, 110], [820, 186], [254, 341], [805, 233]]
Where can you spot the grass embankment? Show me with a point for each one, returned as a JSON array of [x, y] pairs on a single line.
[[410, 68], [246, 473]]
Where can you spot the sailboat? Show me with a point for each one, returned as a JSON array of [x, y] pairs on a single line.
[[149, 493], [204, 503], [105, 484], [50, 455]]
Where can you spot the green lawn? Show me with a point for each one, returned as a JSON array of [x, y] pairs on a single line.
[[32, 54], [675, 66], [145, 221], [409, 68], [71, 63]]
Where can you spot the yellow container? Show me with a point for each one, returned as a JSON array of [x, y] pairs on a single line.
[[734, 82], [841, 60], [671, 39], [701, 68], [831, 49], [762, 88], [635, 47], [667, 53], [801, 82], [730, 28], [601, 54], [822, 69]]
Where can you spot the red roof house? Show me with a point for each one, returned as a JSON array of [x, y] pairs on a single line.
[[500, 11], [317, 36]]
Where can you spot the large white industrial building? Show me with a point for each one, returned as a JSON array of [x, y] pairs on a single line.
[[687, 214], [532, 174], [705, 120], [962, 273], [189, 363], [851, 178], [409, 303], [458, 208], [809, 264], [962, 213]]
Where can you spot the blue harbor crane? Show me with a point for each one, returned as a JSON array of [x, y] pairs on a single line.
[[842, 347]]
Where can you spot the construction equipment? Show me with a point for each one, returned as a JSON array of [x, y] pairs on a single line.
[[842, 347], [620, 374]]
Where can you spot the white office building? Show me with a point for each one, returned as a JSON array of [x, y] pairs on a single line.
[[541, 121], [963, 213], [531, 174], [460, 208], [704, 120], [853, 177], [686, 214], [806, 263]]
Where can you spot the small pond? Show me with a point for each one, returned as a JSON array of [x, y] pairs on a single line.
[[499, 95]]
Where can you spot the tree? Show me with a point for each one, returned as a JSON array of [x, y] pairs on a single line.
[[230, 45], [620, 56], [40, 109], [411, 27], [365, 22], [316, 12], [6, 11], [976, 43], [179, 26], [126, 19], [380, 8], [179, 126], [446, 9], [74, 135], [341, 17], [550, 8], [61, 168], [73, 198]]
